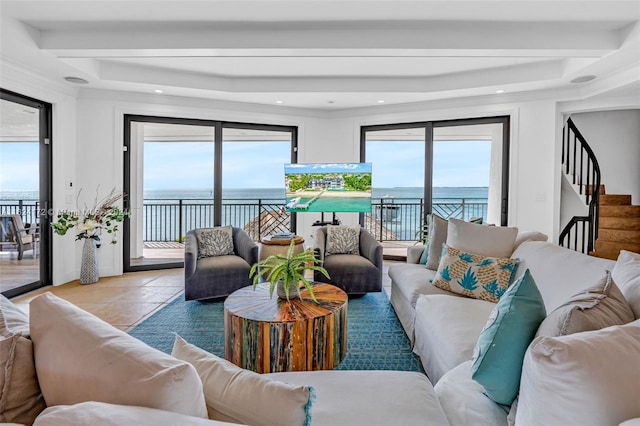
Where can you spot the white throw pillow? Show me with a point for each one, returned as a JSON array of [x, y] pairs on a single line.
[[343, 239], [626, 273], [589, 378], [13, 320], [238, 395], [494, 241], [102, 414], [437, 237], [529, 236], [81, 358]]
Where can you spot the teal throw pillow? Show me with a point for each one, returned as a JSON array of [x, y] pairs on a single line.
[[425, 254], [512, 325]]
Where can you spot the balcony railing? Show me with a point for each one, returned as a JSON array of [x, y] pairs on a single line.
[[169, 220]]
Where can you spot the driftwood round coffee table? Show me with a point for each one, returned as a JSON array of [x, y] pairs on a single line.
[[270, 335]]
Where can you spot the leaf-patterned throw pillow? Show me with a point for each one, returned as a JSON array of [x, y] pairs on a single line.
[[214, 242], [474, 275], [343, 239]]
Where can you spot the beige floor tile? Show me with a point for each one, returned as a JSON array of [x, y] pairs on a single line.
[[120, 314]]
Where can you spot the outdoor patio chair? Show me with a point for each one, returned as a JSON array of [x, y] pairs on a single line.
[[14, 232], [218, 276], [354, 273]]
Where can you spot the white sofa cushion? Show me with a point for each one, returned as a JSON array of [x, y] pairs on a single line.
[[494, 241], [81, 358], [464, 401], [559, 272], [446, 331], [371, 398], [238, 395], [626, 273], [591, 378], [103, 414], [414, 281]]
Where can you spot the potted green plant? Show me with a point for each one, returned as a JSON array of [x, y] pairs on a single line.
[[286, 272]]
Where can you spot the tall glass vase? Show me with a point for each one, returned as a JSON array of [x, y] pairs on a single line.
[[89, 268]]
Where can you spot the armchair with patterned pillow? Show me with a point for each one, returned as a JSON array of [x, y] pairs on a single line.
[[217, 262], [351, 256]]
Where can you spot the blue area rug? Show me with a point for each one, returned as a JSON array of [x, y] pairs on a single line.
[[375, 338]]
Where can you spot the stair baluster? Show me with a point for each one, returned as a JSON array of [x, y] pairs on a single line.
[[583, 229]]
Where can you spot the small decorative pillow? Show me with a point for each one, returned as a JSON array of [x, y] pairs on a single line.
[[214, 242], [473, 275], [437, 237], [343, 239], [600, 306], [499, 352]]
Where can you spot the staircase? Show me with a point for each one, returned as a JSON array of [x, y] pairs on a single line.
[[613, 223], [619, 226]]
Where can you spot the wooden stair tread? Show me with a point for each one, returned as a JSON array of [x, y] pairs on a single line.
[[616, 222], [621, 235], [615, 199], [589, 188], [619, 211], [603, 245], [606, 254]]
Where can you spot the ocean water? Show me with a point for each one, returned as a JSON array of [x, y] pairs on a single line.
[[439, 193], [162, 209]]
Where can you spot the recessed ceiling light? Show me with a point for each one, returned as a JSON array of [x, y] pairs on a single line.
[[279, 102], [76, 80], [500, 91], [380, 101], [159, 91], [583, 78]]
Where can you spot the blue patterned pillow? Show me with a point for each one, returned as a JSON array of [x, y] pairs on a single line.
[[474, 275], [215, 242], [512, 325]]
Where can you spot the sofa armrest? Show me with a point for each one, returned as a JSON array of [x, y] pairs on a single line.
[[190, 254], [414, 253], [371, 248], [319, 244], [244, 246]]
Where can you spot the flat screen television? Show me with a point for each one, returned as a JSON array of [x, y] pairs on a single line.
[[328, 187]]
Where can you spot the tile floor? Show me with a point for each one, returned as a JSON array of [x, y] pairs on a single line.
[[126, 300]]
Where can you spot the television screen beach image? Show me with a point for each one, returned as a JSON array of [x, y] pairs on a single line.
[[328, 187]]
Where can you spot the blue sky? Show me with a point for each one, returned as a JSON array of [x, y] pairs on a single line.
[[179, 165], [19, 166]]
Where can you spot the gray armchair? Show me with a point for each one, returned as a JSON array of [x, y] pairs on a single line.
[[218, 276], [354, 273]]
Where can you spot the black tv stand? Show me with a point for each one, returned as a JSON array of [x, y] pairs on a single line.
[[322, 222]]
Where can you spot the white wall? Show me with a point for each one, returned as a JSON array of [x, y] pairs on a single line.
[[66, 253], [614, 137]]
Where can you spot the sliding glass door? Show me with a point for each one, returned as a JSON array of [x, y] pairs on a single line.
[[456, 168], [183, 174], [25, 193]]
